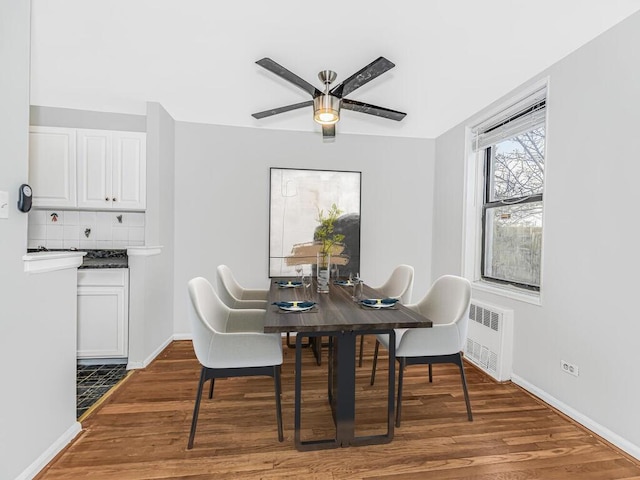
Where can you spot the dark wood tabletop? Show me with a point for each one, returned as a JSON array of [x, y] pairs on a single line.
[[335, 311]]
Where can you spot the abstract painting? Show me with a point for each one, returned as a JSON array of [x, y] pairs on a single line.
[[299, 200]]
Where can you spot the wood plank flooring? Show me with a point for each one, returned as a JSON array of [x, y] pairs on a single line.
[[141, 430]]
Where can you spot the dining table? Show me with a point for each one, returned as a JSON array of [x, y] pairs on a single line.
[[341, 315]]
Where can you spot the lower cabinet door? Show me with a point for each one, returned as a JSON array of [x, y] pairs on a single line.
[[102, 322]]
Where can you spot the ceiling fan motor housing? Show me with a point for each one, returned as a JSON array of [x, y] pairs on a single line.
[[326, 109]]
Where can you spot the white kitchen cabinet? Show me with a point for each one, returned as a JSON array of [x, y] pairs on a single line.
[[111, 170], [103, 313], [52, 166]]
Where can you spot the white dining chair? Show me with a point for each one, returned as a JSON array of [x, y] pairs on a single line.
[[446, 304], [399, 285], [236, 296], [230, 343]]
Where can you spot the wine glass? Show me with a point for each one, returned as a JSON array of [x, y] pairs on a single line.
[[357, 288], [335, 272], [299, 270], [306, 283]]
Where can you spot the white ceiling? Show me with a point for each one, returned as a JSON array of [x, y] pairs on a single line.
[[197, 57]]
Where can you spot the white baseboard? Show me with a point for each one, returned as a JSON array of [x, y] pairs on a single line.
[[56, 447], [182, 336], [608, 435], [151, 357], [156, 352]]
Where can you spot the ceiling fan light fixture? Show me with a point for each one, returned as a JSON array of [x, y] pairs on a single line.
[[326, 109]]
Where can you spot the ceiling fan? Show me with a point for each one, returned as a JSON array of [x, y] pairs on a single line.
[[327, 104]]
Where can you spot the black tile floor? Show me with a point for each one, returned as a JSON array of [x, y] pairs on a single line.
[[93, 381]]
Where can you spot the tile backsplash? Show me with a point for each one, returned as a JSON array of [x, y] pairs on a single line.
[[85, 229]]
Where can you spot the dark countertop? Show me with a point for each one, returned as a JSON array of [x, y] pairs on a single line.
[[116, 262], [97, 258], [105, 259]]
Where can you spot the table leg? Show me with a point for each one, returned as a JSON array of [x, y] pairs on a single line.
[[341, 392], [344, 381], [298, 389], [387, 437], [299, 443]]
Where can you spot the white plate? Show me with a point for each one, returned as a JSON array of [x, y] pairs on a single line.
[[289, 285], [296, 308], [377, 305]]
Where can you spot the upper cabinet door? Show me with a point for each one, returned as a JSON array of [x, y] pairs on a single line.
[[52, 166], [110, 174], [112, 170], [129, 167], [94, 169]]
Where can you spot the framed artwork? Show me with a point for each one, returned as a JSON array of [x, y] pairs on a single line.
[[312, 212]]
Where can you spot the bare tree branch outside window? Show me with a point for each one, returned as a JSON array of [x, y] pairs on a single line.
[[513, 217]]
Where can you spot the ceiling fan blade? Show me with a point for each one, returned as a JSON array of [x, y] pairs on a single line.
[[328, 133], [289, 76], [372, 109], [365, 75], [288, 108]]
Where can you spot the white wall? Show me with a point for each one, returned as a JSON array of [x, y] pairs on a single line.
[[37, 312], [151, 277], [222, 200], [591, 260]]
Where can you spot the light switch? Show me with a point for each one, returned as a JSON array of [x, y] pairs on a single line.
[[4, 204]]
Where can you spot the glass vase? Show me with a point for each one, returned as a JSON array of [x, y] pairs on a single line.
[[323, 269]]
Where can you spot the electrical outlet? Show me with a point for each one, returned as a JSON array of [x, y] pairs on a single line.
[[569, 368]]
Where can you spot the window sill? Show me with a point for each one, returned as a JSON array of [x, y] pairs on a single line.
[[508, 291]]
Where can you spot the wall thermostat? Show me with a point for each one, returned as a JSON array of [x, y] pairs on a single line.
[[24, 198]]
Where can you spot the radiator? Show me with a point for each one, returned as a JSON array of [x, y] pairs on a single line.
[[490, 339]]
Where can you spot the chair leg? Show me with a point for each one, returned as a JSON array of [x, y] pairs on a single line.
[[196, 409], [293, 345], [430, 373], [464, 388], [403, 364], [276, 380], [211, 388], [375, 362], [361, 350]]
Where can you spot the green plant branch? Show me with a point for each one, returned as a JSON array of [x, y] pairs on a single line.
[[325, 233]]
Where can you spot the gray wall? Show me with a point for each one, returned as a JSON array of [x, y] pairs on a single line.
[[222, 200], [588, 314], [37, 341]]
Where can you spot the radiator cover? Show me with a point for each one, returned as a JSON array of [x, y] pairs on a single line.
[[490, 339]]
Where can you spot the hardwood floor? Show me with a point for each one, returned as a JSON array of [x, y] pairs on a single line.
[[141, 430]]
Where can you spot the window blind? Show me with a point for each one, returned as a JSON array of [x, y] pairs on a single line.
[[526, 114]]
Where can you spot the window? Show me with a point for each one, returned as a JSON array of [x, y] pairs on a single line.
[[511, 146]]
